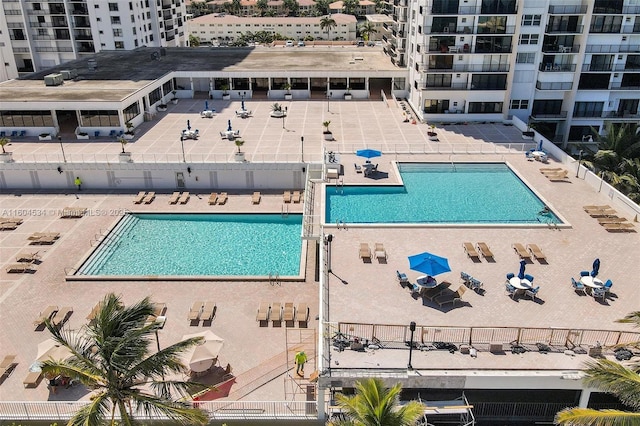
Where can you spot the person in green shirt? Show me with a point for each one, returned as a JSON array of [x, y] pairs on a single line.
[[300, 359], [78, 183]]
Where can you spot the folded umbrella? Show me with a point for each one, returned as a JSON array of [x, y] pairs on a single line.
[[596, 268], [523, 264]]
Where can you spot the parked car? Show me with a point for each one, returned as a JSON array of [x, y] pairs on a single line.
[[289, 43], [301, 43]]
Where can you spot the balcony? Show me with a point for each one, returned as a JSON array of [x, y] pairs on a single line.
[[551, 29], [605, 29], [597, 67], [453, 86], [558, 48], [631, 29], [574, 9], [553, 85], [546, 115], [549, 67], [510, 29], [470, 68], [619, 86]]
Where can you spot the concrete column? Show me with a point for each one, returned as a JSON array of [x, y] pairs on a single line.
[[584, 397]]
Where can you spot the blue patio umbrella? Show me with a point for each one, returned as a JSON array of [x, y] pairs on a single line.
[[188, 125], [242, 105], [523, 264], [206, 105], [229, 129], [368, 153], [596, 268], [429, 264]]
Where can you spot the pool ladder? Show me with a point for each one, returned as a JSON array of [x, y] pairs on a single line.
[[284, 210], [340, 186], [341, 224], [274, 280]]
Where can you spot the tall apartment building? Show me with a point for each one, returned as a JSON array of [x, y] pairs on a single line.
[[40, 34], [566, 66]]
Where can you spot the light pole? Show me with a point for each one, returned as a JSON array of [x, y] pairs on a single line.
[[328, 98], [184, 160], [283, 116], [302, 148], [62, 148], [412, 327], [579, 161]]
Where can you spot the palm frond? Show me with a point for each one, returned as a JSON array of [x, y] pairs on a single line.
[[610, 376], [181, 412], [93, 413], [588, 416]]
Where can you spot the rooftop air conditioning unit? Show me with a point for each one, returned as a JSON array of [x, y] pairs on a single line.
[[69, 74], [53, 79]]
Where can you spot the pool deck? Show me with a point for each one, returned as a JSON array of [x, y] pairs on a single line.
[[369, 293]]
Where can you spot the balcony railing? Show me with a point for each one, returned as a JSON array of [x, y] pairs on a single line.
[[568, 9], [453, 86], [468, 68], [549, 67], [597, 67], [630, 29], [553, 85], [549, 29], [613, 48], [620, 86], [604, 29], [549, 115], [509, 29], [552, 48], [472, 10]]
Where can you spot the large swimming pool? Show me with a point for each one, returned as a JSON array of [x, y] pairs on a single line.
[[199, 245], [460, 193]]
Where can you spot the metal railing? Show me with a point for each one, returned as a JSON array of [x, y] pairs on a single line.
[[553, 85], [217, 410], [482, 336]]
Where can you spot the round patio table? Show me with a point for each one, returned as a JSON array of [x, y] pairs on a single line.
[[592, 282], [520, 284]]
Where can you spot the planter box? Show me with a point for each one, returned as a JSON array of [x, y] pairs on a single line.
[[6, 157], [44, 138], [328, 136], [128, 136], [347, 96], [239, 156], [174, 101], [79, 136], [226, 97], [432, 136], [277, 114], [288, 96], [125, 157], [161, 108]]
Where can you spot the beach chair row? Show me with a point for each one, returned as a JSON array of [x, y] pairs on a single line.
[[57, 316], [289, 196], [608, 218], [276, 313], [9, 223], [203, 311], [144, 197], [482, 248], [379, 251], [555, 174], [179, 197], [24, 263]]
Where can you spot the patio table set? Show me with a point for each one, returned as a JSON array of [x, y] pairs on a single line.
[[521, 284], [589, 283]]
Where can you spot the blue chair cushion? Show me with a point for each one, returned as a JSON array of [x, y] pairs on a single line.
[[584, 273], [510, 275]]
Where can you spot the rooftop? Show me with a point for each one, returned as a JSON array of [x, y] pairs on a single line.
[[364, 293], [121, 73]]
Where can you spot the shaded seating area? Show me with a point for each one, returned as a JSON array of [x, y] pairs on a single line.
[[445, 298]]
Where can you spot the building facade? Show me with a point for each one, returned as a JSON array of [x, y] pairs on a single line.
[[227, 28], [38, 35], [566, 67]]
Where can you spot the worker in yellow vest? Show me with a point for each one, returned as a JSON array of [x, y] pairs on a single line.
[[78, 183], [300, 359]]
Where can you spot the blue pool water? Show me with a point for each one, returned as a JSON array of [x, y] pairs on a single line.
[[440, 193], [200, 244]]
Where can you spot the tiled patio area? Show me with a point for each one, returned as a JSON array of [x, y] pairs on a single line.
[[370, 293]]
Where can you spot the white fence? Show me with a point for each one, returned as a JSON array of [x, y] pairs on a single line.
[[217, 410]]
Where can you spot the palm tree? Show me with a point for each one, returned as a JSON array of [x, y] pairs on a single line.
[[111, 356], [623, 139], [349, 6], [375, 405], [4, 141], [366, 29], [612, 377], [321, 7], [327, 23], [262, 6]]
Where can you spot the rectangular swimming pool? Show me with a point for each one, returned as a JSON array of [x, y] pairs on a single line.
[[199, 245], [460, 193]]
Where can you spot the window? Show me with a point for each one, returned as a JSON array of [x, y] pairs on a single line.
[[588, 109], [115, 20], [529, 38], [484, 107], [99, 118], [531, 20], [26, 119], [117, 32], [37, 6], [119, 44], [113, 7], [519, 104]]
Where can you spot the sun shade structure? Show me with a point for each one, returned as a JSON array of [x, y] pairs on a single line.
[[429, 264], [201, 357], [368, 153]]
